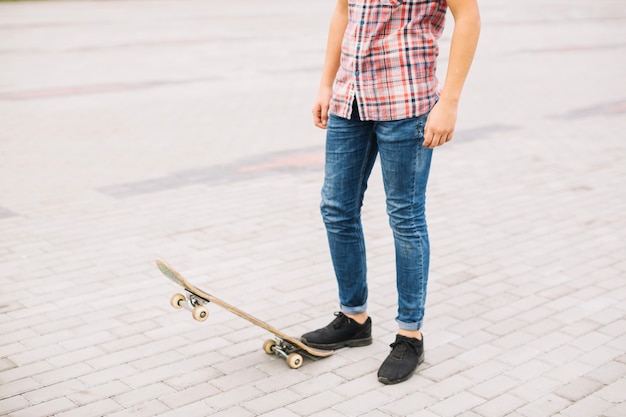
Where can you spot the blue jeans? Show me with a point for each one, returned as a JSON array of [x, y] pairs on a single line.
[[351, 149]]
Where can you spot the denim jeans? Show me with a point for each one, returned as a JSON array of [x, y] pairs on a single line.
[[351, 150]]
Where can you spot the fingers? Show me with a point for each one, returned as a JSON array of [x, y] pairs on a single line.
[[320, 116], [432, 139], [440, 123], [439, 127]]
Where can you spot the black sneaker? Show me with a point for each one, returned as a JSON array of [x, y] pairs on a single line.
[[406, 354], [341, 332]]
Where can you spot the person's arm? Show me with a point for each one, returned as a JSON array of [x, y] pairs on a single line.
[[442, 119], [338, 25]]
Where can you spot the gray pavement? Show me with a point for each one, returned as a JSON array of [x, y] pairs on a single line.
[[136, 130]]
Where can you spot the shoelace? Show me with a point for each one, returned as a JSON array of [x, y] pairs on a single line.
[[340, 320], [402, 346]]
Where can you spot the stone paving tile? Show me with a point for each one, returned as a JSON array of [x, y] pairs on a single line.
[[501, 405], [132, 148]]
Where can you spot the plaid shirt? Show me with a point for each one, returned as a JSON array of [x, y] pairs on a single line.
[[388, 59]]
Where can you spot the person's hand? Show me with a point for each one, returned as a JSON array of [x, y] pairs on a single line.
[[440, 124], [320, 108]]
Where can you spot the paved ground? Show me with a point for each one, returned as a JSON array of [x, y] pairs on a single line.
[[170, 129]]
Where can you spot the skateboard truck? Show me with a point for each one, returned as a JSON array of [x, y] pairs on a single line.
[[192, 303], [284, 350]]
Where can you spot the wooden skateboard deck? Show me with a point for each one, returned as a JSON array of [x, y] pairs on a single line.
[[195, 300]]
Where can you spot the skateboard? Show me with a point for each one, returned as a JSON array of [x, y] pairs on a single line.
[[195, 300]]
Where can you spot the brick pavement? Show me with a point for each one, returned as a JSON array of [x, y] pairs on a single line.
[[122, 139]]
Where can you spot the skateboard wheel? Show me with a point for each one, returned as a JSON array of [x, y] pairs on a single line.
[[268, 346], [200, 313], [294, 360], [176, 300]]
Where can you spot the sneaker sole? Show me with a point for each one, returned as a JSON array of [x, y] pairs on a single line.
[[333, 346]]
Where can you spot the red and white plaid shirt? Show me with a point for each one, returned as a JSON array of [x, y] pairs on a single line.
[[388, 59]]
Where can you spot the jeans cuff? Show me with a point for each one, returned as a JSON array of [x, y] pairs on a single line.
[[353, 310], [409, 326]]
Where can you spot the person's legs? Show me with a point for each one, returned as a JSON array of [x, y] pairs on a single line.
[[351, 150], [405, 165], [350, 155]]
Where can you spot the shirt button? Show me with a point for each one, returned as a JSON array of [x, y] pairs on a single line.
[[362, 22], [357, 73]]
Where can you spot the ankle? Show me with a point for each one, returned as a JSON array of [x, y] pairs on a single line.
[[415, 334], [360, 318]]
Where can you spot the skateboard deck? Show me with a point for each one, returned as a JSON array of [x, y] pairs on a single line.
[[195, 300]]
